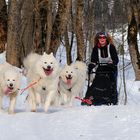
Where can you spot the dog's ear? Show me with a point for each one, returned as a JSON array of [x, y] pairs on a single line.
[[44, 53], [51, 53]]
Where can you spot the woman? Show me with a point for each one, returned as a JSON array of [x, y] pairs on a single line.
[[104, 55]]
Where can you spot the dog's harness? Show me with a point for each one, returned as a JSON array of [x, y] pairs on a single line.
[[88, 101], [30, 85], [59, 86], [59, 90], [69, 89]]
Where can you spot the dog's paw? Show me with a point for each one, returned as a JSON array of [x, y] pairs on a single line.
[[46, 110], [33, 110], [11, 112], [2, 111]]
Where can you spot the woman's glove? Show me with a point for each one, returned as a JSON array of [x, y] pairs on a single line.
[[90, 67]]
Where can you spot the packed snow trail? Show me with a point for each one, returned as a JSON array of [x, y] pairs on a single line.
[[74, 123]]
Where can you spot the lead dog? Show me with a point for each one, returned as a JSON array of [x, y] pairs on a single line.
[[44, 70]]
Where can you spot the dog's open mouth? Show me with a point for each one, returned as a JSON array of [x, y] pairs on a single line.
[[8, 90], [69, 79], [48, 71]]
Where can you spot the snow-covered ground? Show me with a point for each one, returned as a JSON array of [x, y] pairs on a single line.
[[77, 123], [121, 122]]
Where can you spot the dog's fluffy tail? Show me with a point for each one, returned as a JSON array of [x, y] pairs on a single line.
[[30, 60]]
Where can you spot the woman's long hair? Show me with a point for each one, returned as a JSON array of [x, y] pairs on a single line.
[[109, 39]]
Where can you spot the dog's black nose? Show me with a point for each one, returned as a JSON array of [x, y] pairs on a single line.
[[48, 67], [11, 85], [43, 88]]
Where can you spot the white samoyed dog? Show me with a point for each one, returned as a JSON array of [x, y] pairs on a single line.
[[67, 83], [10, 81], [72, 79], [44, 70], [81, 68]]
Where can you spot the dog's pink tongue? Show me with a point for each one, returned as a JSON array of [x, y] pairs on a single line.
[[68, 81], [7, 91], [48, 72]]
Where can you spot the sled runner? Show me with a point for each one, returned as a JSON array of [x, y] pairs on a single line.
[[103, 89]]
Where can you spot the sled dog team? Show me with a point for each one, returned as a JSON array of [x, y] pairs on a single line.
[[49, 83]]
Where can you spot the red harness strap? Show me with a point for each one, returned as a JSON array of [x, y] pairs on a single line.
[[88, 101], [30, 85]]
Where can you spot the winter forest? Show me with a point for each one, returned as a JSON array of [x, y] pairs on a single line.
[[43, 25], [67, 29]]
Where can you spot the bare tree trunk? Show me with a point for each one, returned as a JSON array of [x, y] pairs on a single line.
[[69, 39], [59, 25], [37, 28], [138, 16], [79, 31], [132, 41], [27, 28], [68, 48], [48, 24], [135, 4], [91, 26], [13, 37], [3, 25], [102, 17], [123, 62]]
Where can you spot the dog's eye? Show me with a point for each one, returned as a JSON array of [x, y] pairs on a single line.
[[66, 71], [71, 71], [8, 79], [45, 62], [13, 79]]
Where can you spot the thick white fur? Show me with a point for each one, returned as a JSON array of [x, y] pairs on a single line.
[[10, 80], [82, 75], [45, 90], [68, 90], [29, 61]]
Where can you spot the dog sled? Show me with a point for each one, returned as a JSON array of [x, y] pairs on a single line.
[[103, 90]]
